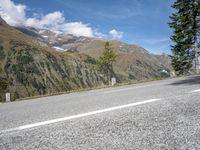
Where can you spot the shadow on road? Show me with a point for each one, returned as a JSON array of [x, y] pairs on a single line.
[[188, 81]]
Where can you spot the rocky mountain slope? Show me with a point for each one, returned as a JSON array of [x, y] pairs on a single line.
[[133, 62], [39, 61], [29, 68]]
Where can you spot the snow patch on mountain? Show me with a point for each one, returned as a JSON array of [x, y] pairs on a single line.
[[58, 48]]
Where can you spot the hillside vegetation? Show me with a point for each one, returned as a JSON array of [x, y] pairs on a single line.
[[133, 62], [28, 69], [29, 65]]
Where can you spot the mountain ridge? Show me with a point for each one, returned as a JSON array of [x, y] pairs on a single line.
[[30, 66], [93, 47], [29, 69]]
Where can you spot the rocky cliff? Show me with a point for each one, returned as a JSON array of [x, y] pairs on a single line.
[[27, 69], [133, 63], [39, 61]]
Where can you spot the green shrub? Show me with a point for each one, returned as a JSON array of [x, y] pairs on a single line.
[[24, 57], [2, 53], [3, 84], [90, 60]]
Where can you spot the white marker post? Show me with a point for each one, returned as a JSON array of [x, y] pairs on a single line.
[[7, 97], [172, 74], [113, 81]]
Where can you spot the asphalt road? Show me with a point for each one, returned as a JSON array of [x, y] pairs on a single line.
[[156, 115]]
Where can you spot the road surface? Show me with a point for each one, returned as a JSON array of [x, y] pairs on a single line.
[[156, 115]]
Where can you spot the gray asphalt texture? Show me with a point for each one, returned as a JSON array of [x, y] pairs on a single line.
[[171, 123]]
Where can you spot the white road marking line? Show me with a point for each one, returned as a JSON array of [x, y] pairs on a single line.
[[78, 116], [130, 88], [195, 91]]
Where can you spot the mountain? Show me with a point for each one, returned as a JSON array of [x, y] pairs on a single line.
[[2, 22], [30, 67], [39, 61], [134, 62]]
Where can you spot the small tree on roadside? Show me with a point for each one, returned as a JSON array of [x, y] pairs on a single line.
[[106, 60]]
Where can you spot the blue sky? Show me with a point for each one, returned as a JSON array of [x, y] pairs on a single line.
[[141, 22]]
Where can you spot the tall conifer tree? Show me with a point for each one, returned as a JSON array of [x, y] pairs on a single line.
[[186, 23]]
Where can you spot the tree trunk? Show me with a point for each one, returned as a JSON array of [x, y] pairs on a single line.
[[196, 57], [108, 77], [195, 27]]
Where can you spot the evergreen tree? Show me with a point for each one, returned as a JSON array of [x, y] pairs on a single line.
[[106, 61], [185, 22], [3, 85]]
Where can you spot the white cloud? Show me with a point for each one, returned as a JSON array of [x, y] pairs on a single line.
[[157, 40], [14, 14], [50, 20], [56, 22], [116, 34], [98, 34], [77, 28]]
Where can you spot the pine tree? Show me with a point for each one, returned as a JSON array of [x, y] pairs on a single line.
[[185, 22], [106, 61], [196, 29]]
